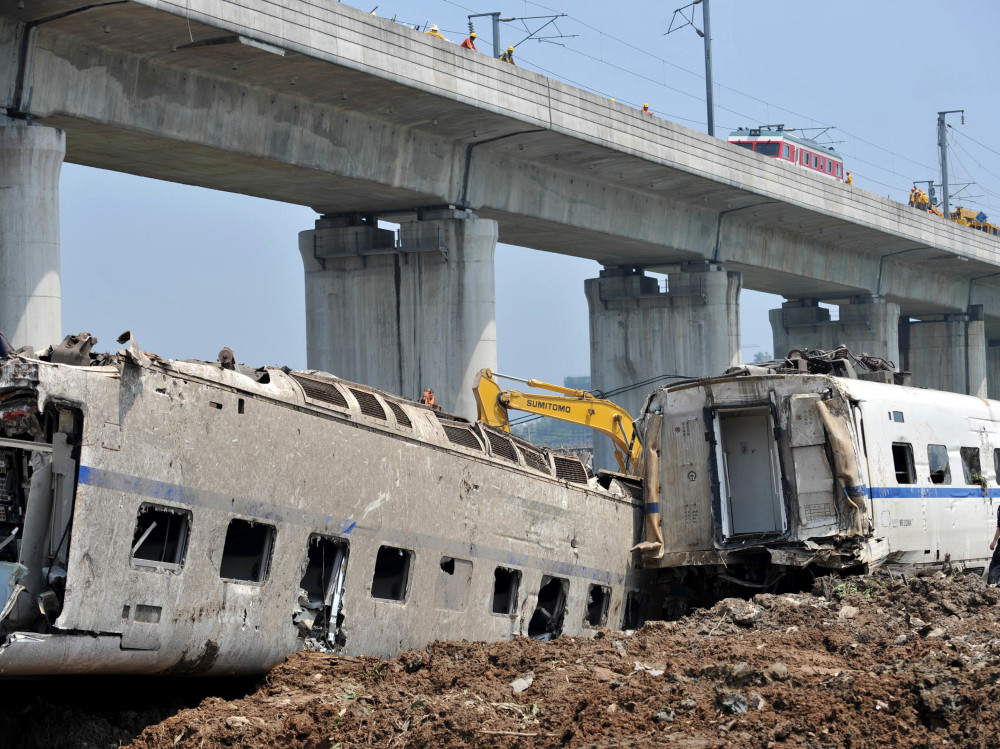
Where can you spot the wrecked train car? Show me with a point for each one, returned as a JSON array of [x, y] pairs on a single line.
[[805, 466], [190, 518]]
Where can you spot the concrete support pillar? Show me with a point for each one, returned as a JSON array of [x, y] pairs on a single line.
[[948, 353], [867, 325], [30, 292], [422, 314], [638, 332], [993, 369]]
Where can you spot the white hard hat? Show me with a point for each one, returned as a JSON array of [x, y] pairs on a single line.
[[434, 27]]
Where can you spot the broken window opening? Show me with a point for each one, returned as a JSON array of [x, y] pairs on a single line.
[[506, 583], [246, 557], [902, 462], [546, 621], [970, 465], [598, 599], [15, 475], [634, 615], [321, 591], [392, 571], [937, 461], [453, 584], [160, 537]]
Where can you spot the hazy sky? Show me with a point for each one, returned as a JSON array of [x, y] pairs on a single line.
[[190, 270]]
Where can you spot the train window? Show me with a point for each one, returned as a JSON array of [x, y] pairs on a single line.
[[506, 583], [634, 614], [829, 166], [246, 555], [546, 621], [392, 570], [597, 606], [970, 465], [785, 151], [805, 158], [160, 537], [840, 170], [937, 461], [768, 149], [902, 462], [746, 144], [896, 416], [815, 161], [996, 463], [453, 583], [321, 590]]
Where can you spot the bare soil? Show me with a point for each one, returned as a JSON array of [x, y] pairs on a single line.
[[862, 662]]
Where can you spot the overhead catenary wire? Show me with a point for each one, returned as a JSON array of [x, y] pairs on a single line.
[[701, 76], [905, 180]]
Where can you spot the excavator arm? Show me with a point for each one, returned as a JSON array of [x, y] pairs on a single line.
[[574, 406]]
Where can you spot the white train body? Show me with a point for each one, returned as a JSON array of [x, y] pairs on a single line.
[[177, 517], [752, 470]]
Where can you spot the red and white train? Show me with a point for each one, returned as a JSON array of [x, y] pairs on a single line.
[[775, 141]]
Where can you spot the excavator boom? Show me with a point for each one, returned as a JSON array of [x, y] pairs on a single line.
[[574, 406]]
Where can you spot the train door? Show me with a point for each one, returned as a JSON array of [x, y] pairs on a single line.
[[750, 493]]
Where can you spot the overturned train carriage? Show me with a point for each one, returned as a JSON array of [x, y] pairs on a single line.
[[780, 472], [181, 517]]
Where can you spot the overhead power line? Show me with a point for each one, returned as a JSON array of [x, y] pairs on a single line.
[[905, 179]]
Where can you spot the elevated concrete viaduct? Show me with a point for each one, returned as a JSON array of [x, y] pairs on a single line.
[[362, 118]]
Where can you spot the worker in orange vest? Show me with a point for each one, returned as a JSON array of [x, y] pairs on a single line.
[[645, 108], [427, 398], [470, 43]]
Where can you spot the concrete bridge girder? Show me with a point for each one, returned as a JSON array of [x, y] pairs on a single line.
[[344, 112], [278, 145]]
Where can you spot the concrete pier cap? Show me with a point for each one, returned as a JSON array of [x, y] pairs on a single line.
[[948, 352], [403, 312], [866, 325], [641, 336], [31, 157]]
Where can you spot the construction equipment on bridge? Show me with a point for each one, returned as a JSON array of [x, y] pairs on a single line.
[[575, 406], [976, 220]]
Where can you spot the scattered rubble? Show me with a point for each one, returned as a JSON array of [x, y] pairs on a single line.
[[876, 660]]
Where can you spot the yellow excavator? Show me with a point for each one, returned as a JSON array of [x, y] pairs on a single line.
[[574, 406]]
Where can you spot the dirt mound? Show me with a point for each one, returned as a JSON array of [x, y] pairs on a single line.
[[872, 660]]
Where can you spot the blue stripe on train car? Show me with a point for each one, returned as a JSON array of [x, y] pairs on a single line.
[[917, 492]]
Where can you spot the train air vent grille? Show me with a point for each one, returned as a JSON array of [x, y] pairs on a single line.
[[570, 469], [501, 446], [401, 418], [369, 404], [536, 460], [462, 436], [318, 390]]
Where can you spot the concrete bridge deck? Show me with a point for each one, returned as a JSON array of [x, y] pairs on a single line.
[[359, 113]]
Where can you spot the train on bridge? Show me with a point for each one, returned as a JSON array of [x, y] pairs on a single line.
[[778, 143]]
